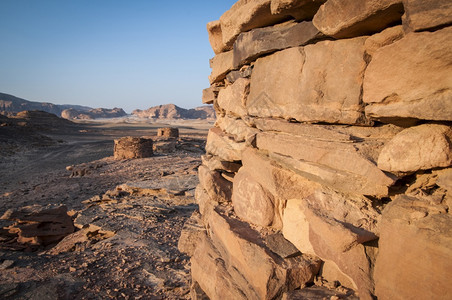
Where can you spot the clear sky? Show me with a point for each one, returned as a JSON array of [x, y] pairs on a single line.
[[107, 53]]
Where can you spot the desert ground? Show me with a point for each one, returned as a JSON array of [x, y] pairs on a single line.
[[128, 213]]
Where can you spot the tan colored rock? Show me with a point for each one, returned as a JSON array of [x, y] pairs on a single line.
[[215, 164], [309, 84], [191, 234], [221, 64], [209, 95], [319, 293], [266, 273], [350, 18], [445, 179], [343, 157], [236, 128], [244, 72], [208, 269], [245, 15], [219, 144], [411, 78], [260, 41], [415, 257], [132, 147], [296, 226], [332, 273], [426, 14], [205, 204], [298, 9], [252, 202], [216, 37], [384, 38], [218, 188], [232, 98], [422, 147]]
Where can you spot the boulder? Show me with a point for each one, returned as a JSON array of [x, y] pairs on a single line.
[[415, 257], [221, 64], [252, 202], [260, 41], [218, 188], [426, 14], [297, 9], [410, 79], [309, 84], [350, 18], [416, 148], [132, 147], [221, 145], [232, 98]]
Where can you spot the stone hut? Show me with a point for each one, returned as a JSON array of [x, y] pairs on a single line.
[[132, 147]]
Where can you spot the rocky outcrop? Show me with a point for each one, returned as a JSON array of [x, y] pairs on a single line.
[[171, 111], [332, 144], [95, 113]]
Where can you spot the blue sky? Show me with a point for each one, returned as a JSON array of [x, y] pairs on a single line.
[[107, 53]]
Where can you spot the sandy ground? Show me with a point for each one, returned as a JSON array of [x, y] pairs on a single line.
[[130, 213]]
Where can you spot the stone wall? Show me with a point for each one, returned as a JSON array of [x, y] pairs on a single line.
[[330, 161]]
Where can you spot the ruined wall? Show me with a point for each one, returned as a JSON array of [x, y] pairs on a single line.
[[330, 161]]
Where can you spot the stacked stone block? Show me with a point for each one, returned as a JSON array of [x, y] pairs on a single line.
[[333, 130]]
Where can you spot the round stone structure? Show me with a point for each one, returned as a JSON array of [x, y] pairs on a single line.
[[132, 147], [171, 132]]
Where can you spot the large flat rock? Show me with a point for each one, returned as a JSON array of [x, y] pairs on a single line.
[[221, 64], [411, 78], [309, 84], [426, 14], [351, 18], [221, 145], [258, 42], [232, 98], [415, 256]]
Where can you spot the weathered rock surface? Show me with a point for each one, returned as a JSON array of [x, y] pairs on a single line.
[[298, 9], [237, 128], [232, 98], [218, 188], [426, 14], [384, 38], [258, 42], [209, 95], [221, 145], [308, 84], [349, 18], [414, 259], [221, 64], [131, 147], [216, 37], [411, 78], [416, 148]]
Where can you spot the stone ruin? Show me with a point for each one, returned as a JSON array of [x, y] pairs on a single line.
[[168, 132], [132, 147], [333, 136]]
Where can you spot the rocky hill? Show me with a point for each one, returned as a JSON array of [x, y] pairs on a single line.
[[171, 111], [10, 105]]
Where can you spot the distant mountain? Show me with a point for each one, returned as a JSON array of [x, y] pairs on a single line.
[[12, 104], [171, 111], [95, 113]]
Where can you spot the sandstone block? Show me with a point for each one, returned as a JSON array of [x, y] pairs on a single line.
[[384, 38], [219, 144], [244, 72], [191, 234], [343, 157], [236, 128], [422, 147], [298, 9], [258, 42], [350, 18], [232, 98], [221, 64], [252, 202], [411, 78], [215, 164], [309, 84], [216, 37], [245, 15], [209, 95], [132, 147], [266, 273], [426, 14], [415, 257], [218, 188]]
